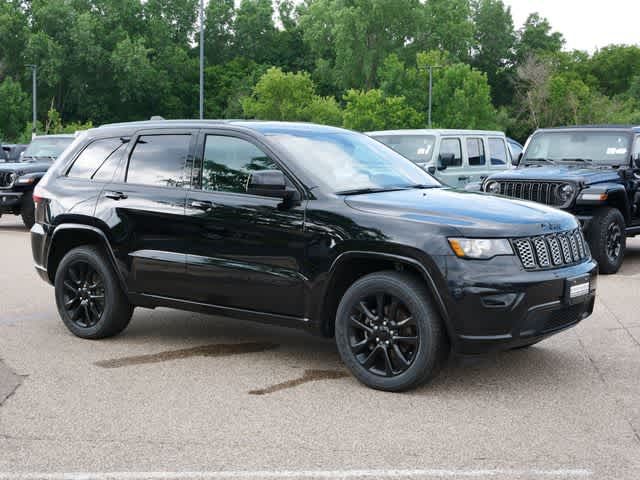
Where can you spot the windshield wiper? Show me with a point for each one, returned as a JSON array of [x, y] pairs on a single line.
[[362, 191], [535, 160], [423, 186], [583, 160]]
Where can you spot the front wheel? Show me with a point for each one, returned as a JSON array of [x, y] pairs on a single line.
[[89, 297], [28, 210], [607, 239], [388, 332]]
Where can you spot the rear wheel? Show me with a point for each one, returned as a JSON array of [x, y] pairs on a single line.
[[90, 300], [28, 210], [388, 332], [607, 239]]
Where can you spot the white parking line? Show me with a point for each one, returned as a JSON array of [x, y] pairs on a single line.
[[304, 474]]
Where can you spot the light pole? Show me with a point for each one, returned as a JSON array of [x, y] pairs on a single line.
[[201, 59], [34, 74], [430, 70]]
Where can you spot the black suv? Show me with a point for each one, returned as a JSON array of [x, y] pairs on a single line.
[[18, 177], [304, 226], [592, 172]]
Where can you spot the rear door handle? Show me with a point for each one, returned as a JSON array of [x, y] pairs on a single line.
[[115, 195], [202, 204], [463, 178]]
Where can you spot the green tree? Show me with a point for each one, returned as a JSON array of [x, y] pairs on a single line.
[[372, 110], [219, 30], [615, 67], [254, 31], [446, 25], [14, 109], [289, 96], [536, 37]]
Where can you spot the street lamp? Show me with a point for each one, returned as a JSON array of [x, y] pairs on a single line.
[[201, 59], [34, 73], [430, 70]]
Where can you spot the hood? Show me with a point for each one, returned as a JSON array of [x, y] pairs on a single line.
[[567, 173], [472, 214], [22, 168]]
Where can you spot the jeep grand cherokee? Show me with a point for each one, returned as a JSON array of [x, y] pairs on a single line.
[[305, 226]]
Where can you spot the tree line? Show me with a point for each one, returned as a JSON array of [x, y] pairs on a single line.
[[358, 63]]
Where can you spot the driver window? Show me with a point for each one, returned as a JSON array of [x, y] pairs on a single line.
[[228, 162], [452, 145]]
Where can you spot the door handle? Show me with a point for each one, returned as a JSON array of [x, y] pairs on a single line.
[[202, 204], [461, 179], [115, 195]]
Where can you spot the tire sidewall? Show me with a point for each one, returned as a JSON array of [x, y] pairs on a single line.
[[90, 257], [426, 356], [599, 239]]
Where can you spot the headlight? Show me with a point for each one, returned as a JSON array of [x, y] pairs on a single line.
[[492, 187], [12, 178], [25, 180], [565, 193], [480, 248]]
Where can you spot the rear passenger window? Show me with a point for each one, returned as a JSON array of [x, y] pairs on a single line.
[[498, 151], [228, 162], [93, 157], [452, 145], [159, 160], [475, 150]]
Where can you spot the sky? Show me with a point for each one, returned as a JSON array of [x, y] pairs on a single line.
[[585, 24]]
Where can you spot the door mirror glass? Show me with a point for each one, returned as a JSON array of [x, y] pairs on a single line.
[[267, 183]]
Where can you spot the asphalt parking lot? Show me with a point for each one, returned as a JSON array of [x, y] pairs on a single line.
[[183, 395]]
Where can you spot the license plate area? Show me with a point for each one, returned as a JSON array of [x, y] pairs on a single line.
[[576, 289]]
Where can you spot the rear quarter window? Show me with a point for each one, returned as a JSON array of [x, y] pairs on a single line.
[[93, 157]]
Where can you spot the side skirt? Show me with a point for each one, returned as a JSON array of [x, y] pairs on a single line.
[[153, 301]]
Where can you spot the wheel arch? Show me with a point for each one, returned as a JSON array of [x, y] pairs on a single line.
[[350, 266], [72, 235]]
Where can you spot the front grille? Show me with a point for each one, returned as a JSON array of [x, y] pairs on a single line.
[[6, 179], [541, 192], [553, 250]]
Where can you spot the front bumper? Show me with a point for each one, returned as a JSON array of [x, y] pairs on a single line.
[[497, 305], [10, 202]]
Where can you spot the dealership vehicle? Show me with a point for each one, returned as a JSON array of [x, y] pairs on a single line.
[[304, 226], [592, 172], [19, 176], [455, 157]]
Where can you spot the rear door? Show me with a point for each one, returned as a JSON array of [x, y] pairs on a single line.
[[454, 175], [143, 209]]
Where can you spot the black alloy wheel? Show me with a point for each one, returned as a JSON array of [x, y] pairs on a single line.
[[383, 335], [84, 295], [614, 241]]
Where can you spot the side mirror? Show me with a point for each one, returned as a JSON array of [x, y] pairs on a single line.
[[270, 183], [445, 160], [431, 170], [516, 161]]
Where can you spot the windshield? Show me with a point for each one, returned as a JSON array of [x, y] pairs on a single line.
[[49, 148], [417, 148], [347, 161], [605, 148]]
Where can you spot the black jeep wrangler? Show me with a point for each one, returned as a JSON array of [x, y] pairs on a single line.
[[592, 172], [19, 177], [304, 226]]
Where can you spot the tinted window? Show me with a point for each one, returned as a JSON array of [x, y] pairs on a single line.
[[108, 168], [228, 162], [417, 148], [475, 150], [93, 157], [449, 146], [159, 160], [498, 151]]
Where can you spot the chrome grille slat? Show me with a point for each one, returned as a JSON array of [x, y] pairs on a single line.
[[551, 251]]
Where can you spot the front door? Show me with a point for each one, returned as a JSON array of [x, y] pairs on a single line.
[[454, 175], [246, 251], [477, 169]]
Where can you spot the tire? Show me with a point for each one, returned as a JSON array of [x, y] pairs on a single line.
[[28, 210], [423, 356], [606, 224], [90, 316]]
